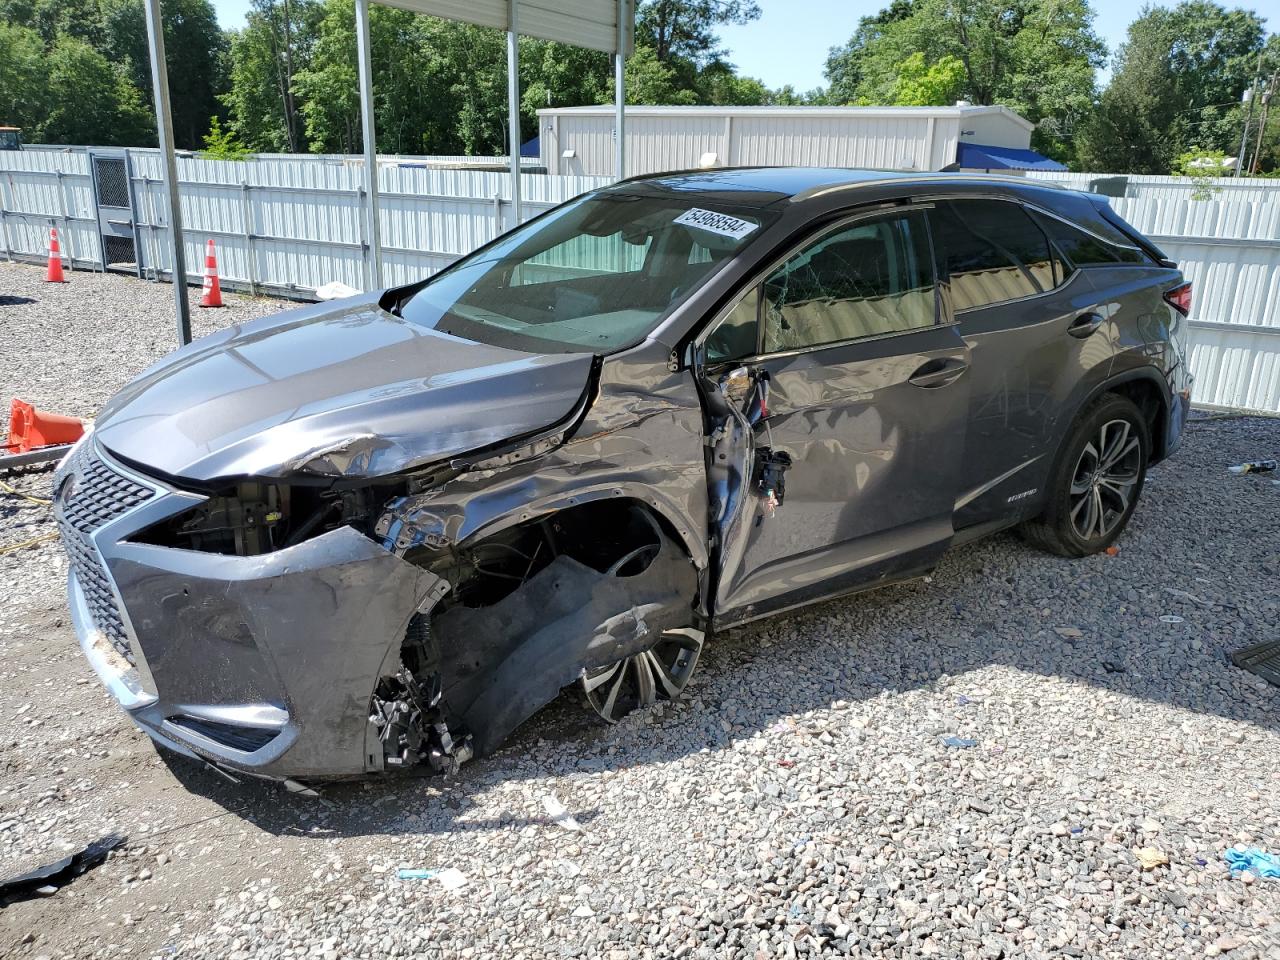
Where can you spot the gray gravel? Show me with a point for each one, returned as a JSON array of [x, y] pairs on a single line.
[[801, 802]]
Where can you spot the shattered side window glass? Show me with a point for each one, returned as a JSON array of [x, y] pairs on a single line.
[[869, 279]]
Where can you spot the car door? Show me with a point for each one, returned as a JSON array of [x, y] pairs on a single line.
[[1027, 319], [837, 461]]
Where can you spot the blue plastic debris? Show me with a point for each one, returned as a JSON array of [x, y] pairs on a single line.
[[1252, 860], [406, 874], [959, 743]]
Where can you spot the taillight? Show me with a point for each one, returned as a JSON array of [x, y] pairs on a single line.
[[1179, 298]]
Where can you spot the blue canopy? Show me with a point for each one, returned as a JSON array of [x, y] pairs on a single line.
[[981, 156], [530, 148]]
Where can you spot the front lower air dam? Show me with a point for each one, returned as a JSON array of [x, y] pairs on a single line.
[[264, 664]]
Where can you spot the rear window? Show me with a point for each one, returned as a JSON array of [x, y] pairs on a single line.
[[993, 250], [1084, 249]]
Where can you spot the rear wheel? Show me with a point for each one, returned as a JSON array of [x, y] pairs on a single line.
[[1096, 482]]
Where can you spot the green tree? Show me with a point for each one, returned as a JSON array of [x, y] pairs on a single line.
[[222, 144], [194, 48], [933, 85], [685, 30], [24, 78], [52, 19], [1176, 87], [264, 57], [1036, 57], [91, 100], [844, 63]]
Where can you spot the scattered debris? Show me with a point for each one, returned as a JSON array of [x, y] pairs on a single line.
[[788, 764], [557, 812], [1112, 551], [959, 743], [1112, 667], [1150, 858], [1252, 860], [1069, 633], [335, 290], [47, 879], [1171, 618], [1255, 466], [451, 878], [1189, 597]]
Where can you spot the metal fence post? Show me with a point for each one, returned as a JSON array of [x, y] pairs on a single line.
[[66, 222], [4, 221], [365, 252], [497, 214], [246, 220]]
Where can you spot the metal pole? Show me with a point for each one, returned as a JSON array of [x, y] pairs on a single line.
[[365, 57], [1262, 122], [513, 110], [620, 96], [1250, 95], [164, 128]]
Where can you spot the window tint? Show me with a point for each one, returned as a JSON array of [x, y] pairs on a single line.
[[871, 278], [994, 251], [1083, 249], [735, 337]]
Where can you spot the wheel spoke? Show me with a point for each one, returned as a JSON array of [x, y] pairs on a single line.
[[1121, 493], [1098, 511], [590, 683], [660, 675], [1120, 453], [611, 701]]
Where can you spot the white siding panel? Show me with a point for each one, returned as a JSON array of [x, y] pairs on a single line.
[[895, 143]]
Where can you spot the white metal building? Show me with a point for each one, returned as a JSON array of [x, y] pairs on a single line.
[[580, 140]]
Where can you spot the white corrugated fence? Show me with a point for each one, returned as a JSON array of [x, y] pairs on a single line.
[[291, 224]]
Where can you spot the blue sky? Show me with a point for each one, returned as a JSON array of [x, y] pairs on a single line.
[[789, 43]]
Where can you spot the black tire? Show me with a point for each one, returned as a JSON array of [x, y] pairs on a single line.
[[1092, 493]]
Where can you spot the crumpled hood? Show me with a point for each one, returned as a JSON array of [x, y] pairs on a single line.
[[336, 389]]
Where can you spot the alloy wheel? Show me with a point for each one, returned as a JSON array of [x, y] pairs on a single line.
[[1104, 480], [659, 673]]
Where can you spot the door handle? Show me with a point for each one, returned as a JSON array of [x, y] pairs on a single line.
[[1084, 325], [938, 373]]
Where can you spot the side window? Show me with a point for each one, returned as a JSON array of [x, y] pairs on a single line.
[[871, 278], [1084, 249], [735, 337], [994, 252]]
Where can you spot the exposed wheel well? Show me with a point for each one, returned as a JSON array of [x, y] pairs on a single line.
[[1147, 397], [596, 533]]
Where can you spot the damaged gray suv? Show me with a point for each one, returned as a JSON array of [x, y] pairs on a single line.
[[384, 532]]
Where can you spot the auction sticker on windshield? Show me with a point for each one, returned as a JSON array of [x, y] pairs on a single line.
[[713, 222]]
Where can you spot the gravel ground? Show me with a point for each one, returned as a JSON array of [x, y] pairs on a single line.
[[802, 801]]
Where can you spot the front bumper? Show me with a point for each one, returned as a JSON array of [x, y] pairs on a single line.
[[261, 664]]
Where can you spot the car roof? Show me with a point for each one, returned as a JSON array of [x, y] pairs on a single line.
[[762, 186]]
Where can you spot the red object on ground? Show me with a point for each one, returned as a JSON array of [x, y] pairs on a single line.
[[54, 273], [212, 294], [30, 428]]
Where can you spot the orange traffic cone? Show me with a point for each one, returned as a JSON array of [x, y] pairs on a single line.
[[54, 273], [212, 294], [30, 428]]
